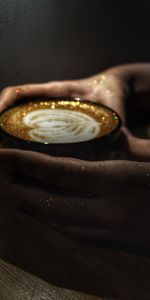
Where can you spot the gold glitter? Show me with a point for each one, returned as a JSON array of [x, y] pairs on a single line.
[[95, 81], [11, 120], [107, 92], [103, 77], [18, 90], [115, 117], [53, 105], [101, 82]]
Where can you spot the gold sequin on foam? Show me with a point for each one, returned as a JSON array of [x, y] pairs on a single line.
[[11, 120]]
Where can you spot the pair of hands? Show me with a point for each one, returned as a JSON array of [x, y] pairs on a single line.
[[101, 200]]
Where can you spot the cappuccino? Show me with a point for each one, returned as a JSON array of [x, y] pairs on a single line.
[[58, 122], [63, 126]]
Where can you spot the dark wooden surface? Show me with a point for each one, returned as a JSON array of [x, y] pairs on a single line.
[[100, 270]]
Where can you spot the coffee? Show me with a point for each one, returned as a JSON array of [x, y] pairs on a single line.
[[61, 127], [58, 122]]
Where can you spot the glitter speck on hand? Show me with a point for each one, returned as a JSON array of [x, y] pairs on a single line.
[[83, 204], [107, 92], [18, 90], [82, 167], [103, 77], [95, 81]]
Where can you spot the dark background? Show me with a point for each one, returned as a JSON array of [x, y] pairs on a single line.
[[42, 40]]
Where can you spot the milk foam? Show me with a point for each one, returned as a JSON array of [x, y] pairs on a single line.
[[60, 126]]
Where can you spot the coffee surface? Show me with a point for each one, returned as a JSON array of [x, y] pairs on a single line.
[[58, 122]]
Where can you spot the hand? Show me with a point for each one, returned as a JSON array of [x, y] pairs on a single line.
[[117, 88], [118, 208]]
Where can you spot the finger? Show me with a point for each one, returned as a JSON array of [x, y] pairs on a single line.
[[137, 78], [11, 95], [55, 203], [115, 98], [5, 174], [140, 72], [77, 174], [52, 170], [139, 149], [6, 180], [95, 234], [83, 215], [109, 90], [75, 206], [98, 234]]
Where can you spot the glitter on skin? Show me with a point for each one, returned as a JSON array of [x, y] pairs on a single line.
[[18, 90], [95, 81], [107, 92], [82, 167], [99, 81], [83, 204], [103, 77]]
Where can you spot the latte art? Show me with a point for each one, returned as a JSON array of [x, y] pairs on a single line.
[[60, 126], [58, 121]]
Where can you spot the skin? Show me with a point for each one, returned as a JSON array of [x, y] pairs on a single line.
[[102, 200]]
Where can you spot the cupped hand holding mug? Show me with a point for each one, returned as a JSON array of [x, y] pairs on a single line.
[[107, 200]]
